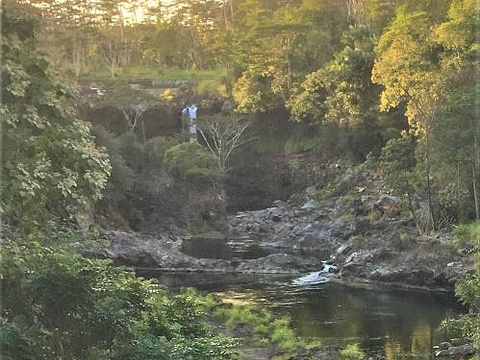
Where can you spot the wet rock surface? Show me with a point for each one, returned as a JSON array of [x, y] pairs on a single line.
[[165, 253], [358, 227], [446, 350]]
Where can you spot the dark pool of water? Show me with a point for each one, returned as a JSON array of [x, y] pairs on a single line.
[[213, 248], [399, 324], [219, 248]]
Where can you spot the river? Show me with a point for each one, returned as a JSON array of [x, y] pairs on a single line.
[[398, 324]]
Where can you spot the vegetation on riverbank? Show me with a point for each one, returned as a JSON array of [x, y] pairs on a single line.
[[58, 304], [467, 237]]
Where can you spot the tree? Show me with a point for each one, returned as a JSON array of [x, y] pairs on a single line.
[[424, 59], [222, 135], [455, 162], [341, 94], [407, 66], [397, 163], [459, 36], [51, 167], [68, 29], [132, 102], [342, 88], [277, 45], [111, 49]]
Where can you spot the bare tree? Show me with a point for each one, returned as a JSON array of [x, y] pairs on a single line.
[[133, 103], [133, 113], [222, 135]]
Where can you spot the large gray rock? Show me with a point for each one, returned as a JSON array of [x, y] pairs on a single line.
[[147, 251], [449, 351]]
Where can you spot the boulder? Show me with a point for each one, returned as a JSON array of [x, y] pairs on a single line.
[[463, 351], [310, 205]]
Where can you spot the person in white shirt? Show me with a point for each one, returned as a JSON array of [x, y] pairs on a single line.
[[192, 112], [192, 128]]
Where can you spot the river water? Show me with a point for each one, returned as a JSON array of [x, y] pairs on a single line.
[[398, 324]]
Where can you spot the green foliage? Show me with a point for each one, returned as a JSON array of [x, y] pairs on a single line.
[[58, 304], [124, 96], [455, 162], [283, 335], [156, 147], [467, 289], [208, 88], [299, 145], [263, 327], [191, 163], [342, 94], [352, 352], [397, 163], [468, 234], [407, 66], [132, 102], [343, 85], [307, 103], [458, 34], [122, 175], [50, 165], [253, 92]]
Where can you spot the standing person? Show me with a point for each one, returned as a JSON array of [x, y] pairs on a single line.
[[192, 114]]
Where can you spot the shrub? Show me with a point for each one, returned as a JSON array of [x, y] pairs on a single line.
[[57, 304], [283, 335], [352, 352], [156, 147], [467, 289], [264, 330], [192, 164]]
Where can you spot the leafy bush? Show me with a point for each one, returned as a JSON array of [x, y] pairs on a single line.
[[122, 177], [191, 163], [58, 304], [467, 289], [264, 331], [468, 235], [283, 335], [156, 147], [352, 352], [51, 168]]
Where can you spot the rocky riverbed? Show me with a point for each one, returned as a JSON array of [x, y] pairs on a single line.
[[358, 228]]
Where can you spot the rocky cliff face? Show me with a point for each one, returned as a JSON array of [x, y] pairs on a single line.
[[363, 232], [359, 228]]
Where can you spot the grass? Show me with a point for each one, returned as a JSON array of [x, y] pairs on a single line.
[[160, 73], [192, 75], [299, 145], [206, 82]]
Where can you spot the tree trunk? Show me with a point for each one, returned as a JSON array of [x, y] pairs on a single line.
[[476, 162], [429, 185], [412, 211]]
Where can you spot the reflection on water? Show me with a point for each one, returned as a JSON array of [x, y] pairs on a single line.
[[397, 324]]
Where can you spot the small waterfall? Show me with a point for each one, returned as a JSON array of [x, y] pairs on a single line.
[[316, 277]]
